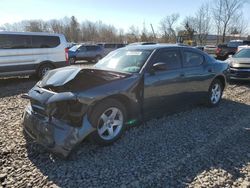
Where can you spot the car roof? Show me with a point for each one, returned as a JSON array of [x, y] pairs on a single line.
[[30, 33], [155, 46]]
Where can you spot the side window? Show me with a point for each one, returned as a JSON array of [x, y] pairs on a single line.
[[120, 45], [15, 41], [192, 59], [45, 41], [90, 48], [4, 42], [82, 48], [172, 59], [109, 45], [246, 43]]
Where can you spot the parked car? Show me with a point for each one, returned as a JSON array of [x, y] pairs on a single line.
[[199, 48], [210, 49], [240, 65], [243, 47], [142, 43], [109, 47], [224, 50], [86, 52], [26, 53], [129, 85]]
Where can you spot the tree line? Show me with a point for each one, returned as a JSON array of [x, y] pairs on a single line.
[[220, 17]]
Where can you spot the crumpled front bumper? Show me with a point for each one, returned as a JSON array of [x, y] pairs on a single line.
[[55, 135]]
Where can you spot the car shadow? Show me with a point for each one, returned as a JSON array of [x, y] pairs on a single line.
[[240, 83], [15, 85], [172, 155]]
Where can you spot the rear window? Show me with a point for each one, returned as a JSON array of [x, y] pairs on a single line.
[[28, 41]]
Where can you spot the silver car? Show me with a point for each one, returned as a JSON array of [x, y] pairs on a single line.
[[240, 65]]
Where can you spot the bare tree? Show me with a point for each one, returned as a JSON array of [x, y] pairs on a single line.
[[133, 34], [37, 26], [189, 24], [56, 26], [167, 27], [74, 29], [202, 23], [239, 26], [223, 12]]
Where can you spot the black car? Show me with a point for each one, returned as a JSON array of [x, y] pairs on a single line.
[[127, 86], [223, 51]]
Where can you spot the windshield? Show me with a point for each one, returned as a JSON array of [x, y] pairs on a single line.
[[74, 48], [123, 60], [244, 53]]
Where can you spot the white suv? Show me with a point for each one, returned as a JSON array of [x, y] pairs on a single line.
[[26, 53]]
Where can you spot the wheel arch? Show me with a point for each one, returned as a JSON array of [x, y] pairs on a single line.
[[222, 79], [44, 63], [132, 108]]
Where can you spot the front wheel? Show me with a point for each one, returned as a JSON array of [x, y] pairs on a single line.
[[108, 118], [215, 93]]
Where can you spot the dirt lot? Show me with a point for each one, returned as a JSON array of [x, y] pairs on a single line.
[[201, 147]]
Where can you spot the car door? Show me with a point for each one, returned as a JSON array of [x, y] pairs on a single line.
[[81, 53], [16, 54], [196, 75], [91, 52], [162, 88]]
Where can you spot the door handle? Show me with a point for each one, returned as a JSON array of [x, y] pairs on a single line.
[[210, 70], [182, 75]]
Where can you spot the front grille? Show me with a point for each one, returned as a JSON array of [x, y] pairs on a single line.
[[38, 108]]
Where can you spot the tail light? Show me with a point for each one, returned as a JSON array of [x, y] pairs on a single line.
[[67, 55], [218, 50]]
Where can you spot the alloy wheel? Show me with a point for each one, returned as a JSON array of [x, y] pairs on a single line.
[[215, 93], [110, 123]]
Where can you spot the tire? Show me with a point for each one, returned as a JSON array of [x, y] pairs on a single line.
[[215, 93], [43, 69], [72, 60], [113, 113]]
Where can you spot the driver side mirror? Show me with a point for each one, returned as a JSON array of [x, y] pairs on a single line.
[[230, 56]]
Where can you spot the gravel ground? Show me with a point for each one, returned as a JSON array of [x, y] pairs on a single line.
[[200, 147]]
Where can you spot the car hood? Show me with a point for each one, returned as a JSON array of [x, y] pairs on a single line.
[[77, 79], [239, 62]]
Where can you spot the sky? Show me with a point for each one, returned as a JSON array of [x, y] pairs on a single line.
[[120, 13]]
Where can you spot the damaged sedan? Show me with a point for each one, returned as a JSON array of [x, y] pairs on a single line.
[[129, 85]]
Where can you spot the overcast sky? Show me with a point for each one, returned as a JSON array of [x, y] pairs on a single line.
[[119, 13]]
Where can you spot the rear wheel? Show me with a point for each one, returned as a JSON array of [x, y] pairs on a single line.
[[72, 60], [97, 58], [108, 118], [215, 93], [43, 69]]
